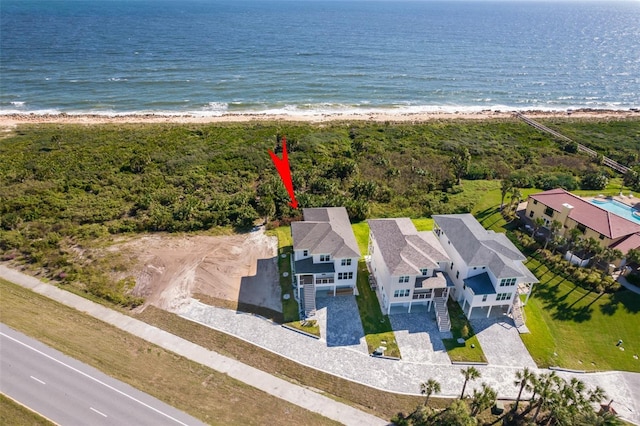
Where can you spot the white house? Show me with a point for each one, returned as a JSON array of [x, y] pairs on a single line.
[[408, 267], [486, 268], [325, 255]]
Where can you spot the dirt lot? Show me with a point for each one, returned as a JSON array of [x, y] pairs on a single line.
[[169, 269]]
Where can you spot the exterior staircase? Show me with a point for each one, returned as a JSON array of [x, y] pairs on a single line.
[[442, 314], [309, 298]]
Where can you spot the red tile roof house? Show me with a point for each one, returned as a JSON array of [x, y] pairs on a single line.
[[325, 255], [609, 229]]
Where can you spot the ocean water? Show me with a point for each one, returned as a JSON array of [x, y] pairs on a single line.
[[209, 57]]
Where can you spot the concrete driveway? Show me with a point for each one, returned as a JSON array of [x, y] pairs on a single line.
[[501, 342], [418, 337]]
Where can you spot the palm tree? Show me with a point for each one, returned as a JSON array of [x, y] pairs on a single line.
[[592, 247], [524, 379], [505, 187], [609, 255], [537, 224], [554, 227], [469, 373], [516, 196], [546, 391], [633, 256], [428, 388], [574, 235], [482, 399], [597, 395]]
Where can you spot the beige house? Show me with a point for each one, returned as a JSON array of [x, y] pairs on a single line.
[[594, 221]]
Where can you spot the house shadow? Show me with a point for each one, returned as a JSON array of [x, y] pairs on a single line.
[[343, 325], [260, 294]]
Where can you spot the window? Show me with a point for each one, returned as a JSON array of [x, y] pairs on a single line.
[[535, 201], [325, 258], [503, 296], [345, 275], [305, 253], [457, 274], [404, 279], [484, 298], [346, 262], [424, 271], [582, 228], [402, 293], [452, 266], [548, 211], [531, 213], [601, 237], [507, 282]]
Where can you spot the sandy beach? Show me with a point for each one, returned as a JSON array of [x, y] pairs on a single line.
[[12, 120]]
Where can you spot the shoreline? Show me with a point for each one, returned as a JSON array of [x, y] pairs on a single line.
[[12, 120]]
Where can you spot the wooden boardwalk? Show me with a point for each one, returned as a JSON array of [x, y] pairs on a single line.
[[606, 160]]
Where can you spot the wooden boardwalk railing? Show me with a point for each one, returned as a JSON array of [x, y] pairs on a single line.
[[606, 160]]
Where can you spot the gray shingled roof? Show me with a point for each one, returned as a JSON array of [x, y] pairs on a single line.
[[405, 250], [479, 247], [325, 230]]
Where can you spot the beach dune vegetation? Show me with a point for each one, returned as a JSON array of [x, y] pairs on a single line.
[[63, 187]]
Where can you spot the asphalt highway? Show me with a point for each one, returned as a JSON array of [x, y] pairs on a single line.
[[69, 392]]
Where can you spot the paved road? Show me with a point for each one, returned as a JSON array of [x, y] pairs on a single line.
[[301, 396], [69, 392]]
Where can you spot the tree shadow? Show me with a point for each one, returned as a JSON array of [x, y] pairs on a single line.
[[625, 299], [564, 312]]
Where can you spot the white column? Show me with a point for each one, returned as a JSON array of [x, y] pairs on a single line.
[[409, 306], [528, 293], [334, 288], [470, 309], [489, 313]]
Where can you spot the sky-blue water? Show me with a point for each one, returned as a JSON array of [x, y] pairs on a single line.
[[209, 57]]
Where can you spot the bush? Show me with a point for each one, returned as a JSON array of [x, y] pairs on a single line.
[[594, 180]]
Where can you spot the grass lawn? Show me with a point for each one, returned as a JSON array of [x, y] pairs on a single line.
[[574, 328], [12, 413], [377, 327], [202, 392], [310, 326], [361, 231], [462, 352]]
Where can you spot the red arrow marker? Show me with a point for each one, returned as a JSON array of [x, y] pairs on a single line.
[[284, 170]]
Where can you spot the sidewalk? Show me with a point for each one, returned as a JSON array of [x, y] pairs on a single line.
[[298, 395], [348, 361]]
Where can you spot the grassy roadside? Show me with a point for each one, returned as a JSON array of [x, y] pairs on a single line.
[[12, 413], [202, 392], [377, 402]]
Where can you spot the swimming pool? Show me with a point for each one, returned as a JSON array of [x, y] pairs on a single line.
[[619, 209]]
